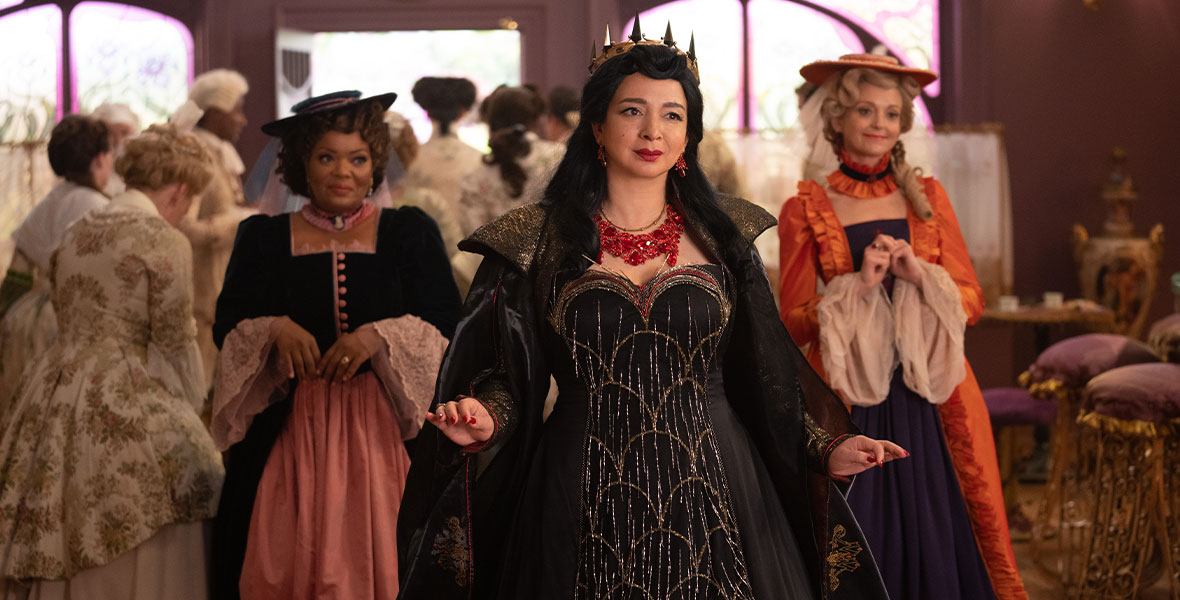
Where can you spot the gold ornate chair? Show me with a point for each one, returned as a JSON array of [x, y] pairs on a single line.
[[1062, 526], [1131, 418]]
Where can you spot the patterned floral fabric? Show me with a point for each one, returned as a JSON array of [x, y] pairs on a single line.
[[483, 195], [104, 446]]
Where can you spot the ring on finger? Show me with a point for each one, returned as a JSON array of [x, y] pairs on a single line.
[[345, 360]]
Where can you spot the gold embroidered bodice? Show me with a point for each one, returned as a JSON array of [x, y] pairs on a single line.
[[657, 514]]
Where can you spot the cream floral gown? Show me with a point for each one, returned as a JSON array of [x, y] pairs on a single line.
[[104, 448]]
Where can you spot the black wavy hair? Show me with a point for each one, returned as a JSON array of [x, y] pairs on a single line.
[[578, 186], [365, 118]]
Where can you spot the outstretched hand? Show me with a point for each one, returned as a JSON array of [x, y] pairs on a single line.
[[464, 421], [860, 453]]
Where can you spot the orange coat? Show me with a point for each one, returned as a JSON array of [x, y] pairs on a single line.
[[812, 245]]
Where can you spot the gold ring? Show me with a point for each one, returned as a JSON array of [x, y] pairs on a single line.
[[345, 360]]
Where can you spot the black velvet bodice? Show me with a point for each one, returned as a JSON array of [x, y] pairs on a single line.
[[403, 275]]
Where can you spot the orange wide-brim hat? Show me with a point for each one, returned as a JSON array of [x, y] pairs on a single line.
[[819, 71]]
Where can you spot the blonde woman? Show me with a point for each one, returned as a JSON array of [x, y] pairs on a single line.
[[887, 333], [106, 471]]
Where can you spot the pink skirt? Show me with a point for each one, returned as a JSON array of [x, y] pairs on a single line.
[[325, 517]]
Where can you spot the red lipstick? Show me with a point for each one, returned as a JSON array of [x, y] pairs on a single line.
[[649, 155]]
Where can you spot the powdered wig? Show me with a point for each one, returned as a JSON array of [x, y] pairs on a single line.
[[160, 157], [843, 90]]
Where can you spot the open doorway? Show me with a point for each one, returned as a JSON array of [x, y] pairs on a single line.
[[391, 61]]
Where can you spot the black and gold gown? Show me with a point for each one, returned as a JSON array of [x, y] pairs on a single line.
[[647, 484], [646, 480]]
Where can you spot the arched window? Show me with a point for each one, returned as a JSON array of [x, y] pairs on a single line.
[[55, 61], [59, 57], [30, 64], [121, 53], [751, 50]]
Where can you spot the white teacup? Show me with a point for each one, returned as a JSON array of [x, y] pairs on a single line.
[[1053, 299], [1008, 304]]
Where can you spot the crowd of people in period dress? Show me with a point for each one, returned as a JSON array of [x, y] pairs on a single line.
[[373, 368]]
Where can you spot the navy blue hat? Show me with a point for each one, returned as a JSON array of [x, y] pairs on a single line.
[[326, 102]]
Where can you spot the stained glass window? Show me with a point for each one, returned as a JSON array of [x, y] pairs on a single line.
[[783, 37], [717, 27], [30, 58], [486, 57], [780, 37], [127, 54], [908, 28]]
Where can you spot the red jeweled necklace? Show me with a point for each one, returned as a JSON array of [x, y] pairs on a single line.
[[636, 249], [330, 222]]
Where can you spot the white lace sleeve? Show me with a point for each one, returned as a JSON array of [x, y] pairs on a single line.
[[407, 362], [856, 335], [930, 326], [247, 380]]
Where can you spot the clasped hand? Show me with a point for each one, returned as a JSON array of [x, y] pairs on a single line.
[[889, 255], [299, 356]]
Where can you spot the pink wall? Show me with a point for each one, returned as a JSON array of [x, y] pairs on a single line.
[[1068, 84]]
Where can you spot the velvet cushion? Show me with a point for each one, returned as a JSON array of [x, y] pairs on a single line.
[[1144, 392], [1015, 406], [1164, 337], [1076, 360]]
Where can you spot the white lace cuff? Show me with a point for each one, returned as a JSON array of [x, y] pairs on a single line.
[[930, 325], [248, 380], [856, 335], [407, 365]]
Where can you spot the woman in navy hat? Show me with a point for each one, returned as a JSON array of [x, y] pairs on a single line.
[[332, 324]]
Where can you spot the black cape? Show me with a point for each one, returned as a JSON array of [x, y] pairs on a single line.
[[453, 524]]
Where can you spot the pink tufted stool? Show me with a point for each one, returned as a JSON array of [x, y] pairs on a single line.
[[1132, 419], [1061, 372], [1164, 337], [1009, 409]]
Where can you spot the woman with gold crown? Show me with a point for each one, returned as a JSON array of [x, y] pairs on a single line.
[[691, 451], [887, 334]]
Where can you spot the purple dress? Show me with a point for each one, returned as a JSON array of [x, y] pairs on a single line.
[[912, 511]]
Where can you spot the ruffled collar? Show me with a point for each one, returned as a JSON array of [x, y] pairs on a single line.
[[862, 181]]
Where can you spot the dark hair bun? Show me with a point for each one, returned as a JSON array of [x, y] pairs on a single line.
[[508, 106], [444, 98]]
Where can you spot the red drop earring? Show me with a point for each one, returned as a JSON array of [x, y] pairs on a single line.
[[681, 166], [601, 155]]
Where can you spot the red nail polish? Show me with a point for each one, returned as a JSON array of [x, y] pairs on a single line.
[[471, 420], [872, 459], [452, 421]]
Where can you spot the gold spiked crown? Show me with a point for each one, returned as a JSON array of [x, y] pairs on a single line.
[[636, 38]]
